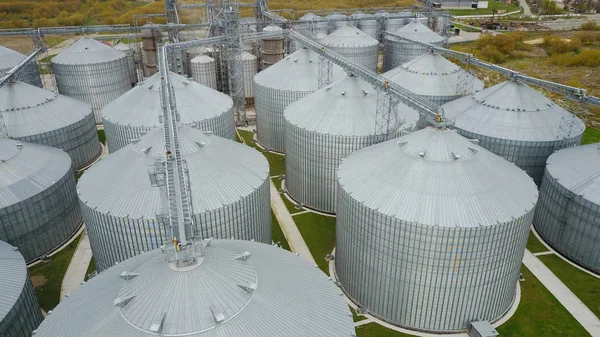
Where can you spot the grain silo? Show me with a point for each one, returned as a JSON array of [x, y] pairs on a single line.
[[326, 126], [250, 69], [188, 56], [28, 74], [149, 48], [355, 45], [280, 85], [234, 289], [367, 23], [568, 213], [43, 117], [447, 222], [516, 122], [316, 25], [92, 72], [273, 48], [396, 21], [125, 48], [434, 78], [229, 187], [38, 200], [139, 110], [204, 71], [20, 312], [335, 22], [396, 51]]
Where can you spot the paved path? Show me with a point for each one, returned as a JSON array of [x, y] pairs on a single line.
[[288, 226], [77, 267], [526, 9], [564, 295]]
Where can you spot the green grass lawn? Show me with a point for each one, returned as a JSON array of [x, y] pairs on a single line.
[[540, 313], [276, 161], [91, 268], [47, 277], [102, 136], [590, 135], [585, 286], [534, 245], [355, 317], [376, 330], [491, 6], [277, 234], [318, 232]]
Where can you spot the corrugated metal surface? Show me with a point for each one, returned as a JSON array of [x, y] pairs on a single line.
[[280, 85], [38, 200], [273, 49], [431, 230], [229, 184], [20, 313], [324, 127], [250, 68], [125, 48], [355, 45], [568, 213], [370, 27], [320, 25], [10, 58], [204, 71], [43, 117], [92, 72], [432, 77], [516, 122], [189, 55], [335, 25], [292, 298], [395, 53], [138, 111]]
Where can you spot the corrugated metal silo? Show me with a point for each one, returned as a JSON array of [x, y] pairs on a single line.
[[324, 127], [38, 200], [399, 20], [355, 45], [125, 48], [335, 25], [447, 222], [204, 71], [139, 110], [397, 52], [39, 116], [273, 49], [319, 36], [250, 69], [28, 74], [188, 56], [280, 85], [433, 77], [516, 122], [92, 72], [370, 27], [568, 213], [229, 187], [20, 312], [236, 289]]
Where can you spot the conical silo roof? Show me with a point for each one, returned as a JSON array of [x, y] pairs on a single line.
[[29, 110], [222, 171], [310, 16], [9, 58], [88, 51], [431, 75], [345, 108], [272, 28], [415, 30], [438, 177], [141, 106], [512, 111], [29, 169], [121, 46], [296, 72], [237, 289], [349, 36]]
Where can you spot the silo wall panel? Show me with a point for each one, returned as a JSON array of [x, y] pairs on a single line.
[[427, 277], [97, 84], [204, 73], [42, 222], [366, 56], [114, 239], [569, 223], [370, 27], [270, 104], [25, 315], [79, 140], [250, 69], [529, 156], [311, 164], [395, 53], [131, 66]]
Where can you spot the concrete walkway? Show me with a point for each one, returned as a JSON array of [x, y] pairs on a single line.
[[526, 9], [564, 295], [288, 226], [77, 267]]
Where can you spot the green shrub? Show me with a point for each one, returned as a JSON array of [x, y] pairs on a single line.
[[587, 37], [587, 58], [491, 54], [558, 45], [590, 25]]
